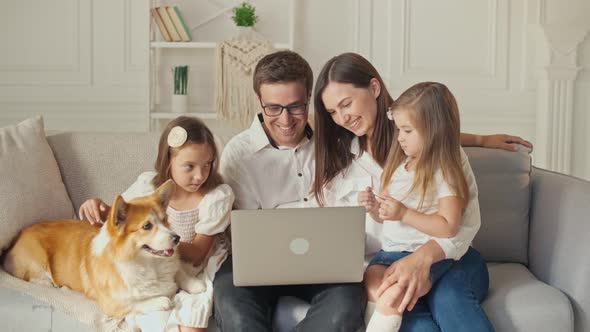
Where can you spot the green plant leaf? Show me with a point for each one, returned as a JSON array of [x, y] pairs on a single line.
[[176, 80], [245, 15]]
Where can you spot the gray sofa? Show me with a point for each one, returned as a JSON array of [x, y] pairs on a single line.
[[534, 223]]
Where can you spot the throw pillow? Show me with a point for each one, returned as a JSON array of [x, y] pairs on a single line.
[[31, 189]]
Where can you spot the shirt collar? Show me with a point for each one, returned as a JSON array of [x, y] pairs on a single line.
[[260, 140]]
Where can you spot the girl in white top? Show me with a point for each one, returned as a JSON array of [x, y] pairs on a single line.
[[198, 212], [423, 190]]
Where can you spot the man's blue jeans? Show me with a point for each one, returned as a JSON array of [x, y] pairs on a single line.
[[334, 307]]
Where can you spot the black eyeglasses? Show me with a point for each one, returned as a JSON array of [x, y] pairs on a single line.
[[276, 110]]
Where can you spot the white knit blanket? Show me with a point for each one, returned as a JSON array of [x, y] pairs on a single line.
[[67, 301]]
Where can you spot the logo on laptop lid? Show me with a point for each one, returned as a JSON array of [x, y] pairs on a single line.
[[299, 246]]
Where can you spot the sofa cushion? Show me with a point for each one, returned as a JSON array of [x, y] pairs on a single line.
[[31, 189], [503, 179], [102, 164], [517, 301]]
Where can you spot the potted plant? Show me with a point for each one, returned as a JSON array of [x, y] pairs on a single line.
[[180, 97], [245, 17]]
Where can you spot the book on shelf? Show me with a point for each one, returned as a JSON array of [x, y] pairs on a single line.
[[168, 23], [179, 23], [160, 24]]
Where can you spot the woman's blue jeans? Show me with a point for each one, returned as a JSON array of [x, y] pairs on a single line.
[[453, 304]]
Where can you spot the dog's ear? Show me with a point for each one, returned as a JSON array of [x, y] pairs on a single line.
[[118, 212], [164, 192]]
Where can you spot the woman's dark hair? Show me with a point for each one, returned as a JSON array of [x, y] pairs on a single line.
[[332, 142]]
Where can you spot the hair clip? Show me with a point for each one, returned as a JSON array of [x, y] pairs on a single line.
[[177, 136], [389, 113]]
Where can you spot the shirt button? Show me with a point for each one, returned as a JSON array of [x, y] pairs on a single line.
[[305, 199], [299, 174], [296, 150]]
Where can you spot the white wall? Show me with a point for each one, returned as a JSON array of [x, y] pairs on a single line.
[[80, 63], [89, 69], [492, 54]]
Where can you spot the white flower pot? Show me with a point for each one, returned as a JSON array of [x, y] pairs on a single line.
[[246, 32], [180, 103]]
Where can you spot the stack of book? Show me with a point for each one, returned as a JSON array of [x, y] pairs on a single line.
[[171, 24]]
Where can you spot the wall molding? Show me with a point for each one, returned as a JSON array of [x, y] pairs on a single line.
[[129, 9], [73, 66], [397, 36], [78, 69], [78, 116], [491, 56], [94, 81], [556, 85]]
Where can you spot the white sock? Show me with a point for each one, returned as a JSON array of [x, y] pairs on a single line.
[[371, 308], [384, 323]]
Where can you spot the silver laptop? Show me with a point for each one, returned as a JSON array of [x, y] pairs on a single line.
[[298, 246]]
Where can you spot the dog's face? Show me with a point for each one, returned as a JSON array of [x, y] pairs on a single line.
[[140, 227]]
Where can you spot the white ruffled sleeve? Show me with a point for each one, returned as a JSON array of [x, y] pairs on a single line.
[[141, 187], [214, 211]]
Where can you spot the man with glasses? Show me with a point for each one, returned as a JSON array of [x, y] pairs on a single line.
[[271, 165]]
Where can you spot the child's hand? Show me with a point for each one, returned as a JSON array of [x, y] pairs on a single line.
[[390, 208], [94, 210], [367, 200]]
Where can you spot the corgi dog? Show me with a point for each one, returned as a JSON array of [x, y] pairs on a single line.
[[128, 265]]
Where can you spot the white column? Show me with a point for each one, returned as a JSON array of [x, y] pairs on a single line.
[[555, 92]]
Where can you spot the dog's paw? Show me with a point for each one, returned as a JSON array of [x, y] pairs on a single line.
[[193, 286], [161, 303]]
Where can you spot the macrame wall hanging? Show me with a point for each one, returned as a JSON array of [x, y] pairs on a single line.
[[236, 59]]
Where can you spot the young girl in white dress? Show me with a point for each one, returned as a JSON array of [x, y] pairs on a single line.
[[198, 212]]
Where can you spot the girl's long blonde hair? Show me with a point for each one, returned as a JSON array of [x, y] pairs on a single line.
[[435, 115]]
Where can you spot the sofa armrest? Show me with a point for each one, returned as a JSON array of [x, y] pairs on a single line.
[[559, 238]]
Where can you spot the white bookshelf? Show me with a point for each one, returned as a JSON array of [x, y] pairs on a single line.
[[171, 115], [203, 45], [202, 51], [160, 44]]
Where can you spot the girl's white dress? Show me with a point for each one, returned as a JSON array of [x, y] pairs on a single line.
[[211, 217]]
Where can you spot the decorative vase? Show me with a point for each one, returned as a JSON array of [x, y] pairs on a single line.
[[179, 103]]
